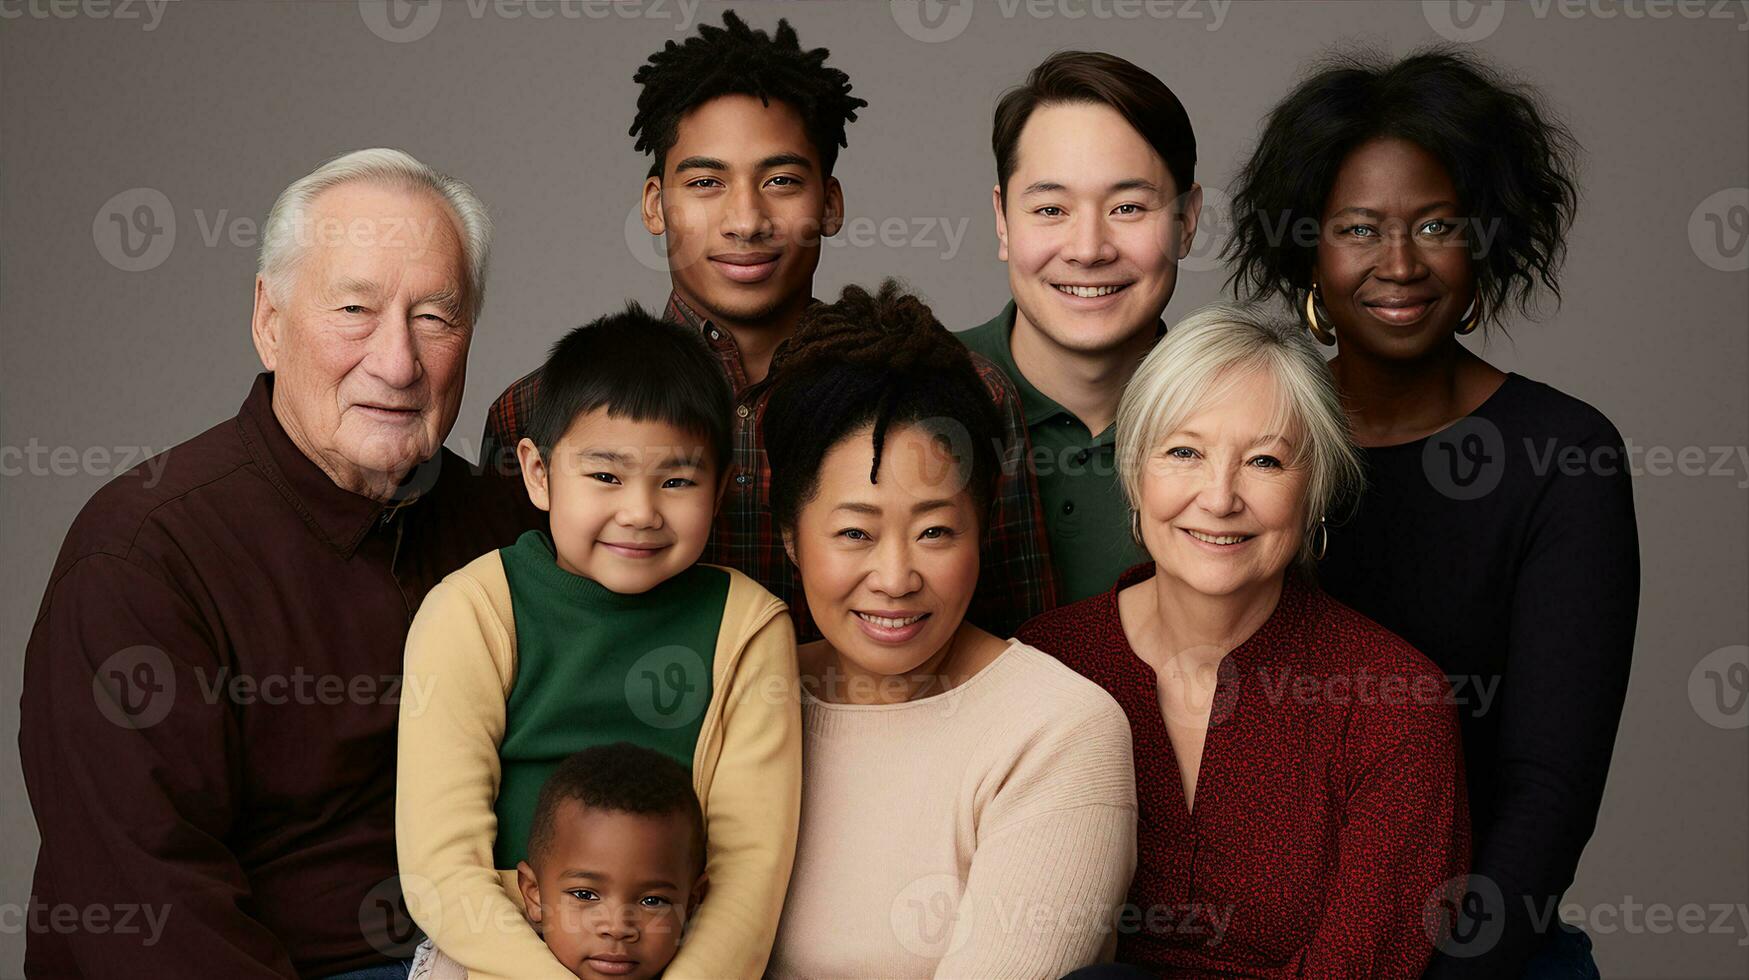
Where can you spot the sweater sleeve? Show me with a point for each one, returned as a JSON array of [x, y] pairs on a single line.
[[1404, 841], [134, 777], [1574, 612], [1055, 852], [452, 721], [752, 808]]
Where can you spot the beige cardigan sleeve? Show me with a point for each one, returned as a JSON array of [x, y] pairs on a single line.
[[1055, 852], [459, 667], [748, 772]]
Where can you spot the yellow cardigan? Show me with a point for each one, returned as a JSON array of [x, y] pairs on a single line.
[[746, 769]]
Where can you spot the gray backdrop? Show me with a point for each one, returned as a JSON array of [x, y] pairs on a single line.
[[186, 120]]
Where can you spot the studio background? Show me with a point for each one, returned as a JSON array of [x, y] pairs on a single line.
[[201, 112]]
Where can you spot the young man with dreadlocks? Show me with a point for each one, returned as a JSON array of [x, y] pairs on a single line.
[[743, 129]]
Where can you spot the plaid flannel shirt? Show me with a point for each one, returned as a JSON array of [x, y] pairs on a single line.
[[1015, 582]]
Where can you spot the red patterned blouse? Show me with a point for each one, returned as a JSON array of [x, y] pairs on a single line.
[[1329, 834]]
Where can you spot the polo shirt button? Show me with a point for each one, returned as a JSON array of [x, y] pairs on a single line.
[[742, 478], [741, 411], [1068, 507]]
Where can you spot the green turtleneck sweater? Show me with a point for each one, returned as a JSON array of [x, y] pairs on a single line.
[[593, 667]]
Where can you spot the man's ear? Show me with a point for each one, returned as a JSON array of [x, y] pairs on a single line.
[[530, 889], [264, 327], [834, 218], [1189, 211], [650, 207], [1001, 222], [534, 473]]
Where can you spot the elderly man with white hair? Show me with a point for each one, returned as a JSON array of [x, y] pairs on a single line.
[[213, 681]]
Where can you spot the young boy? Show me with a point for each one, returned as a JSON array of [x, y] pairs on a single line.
[[607, 629], [615, 866]]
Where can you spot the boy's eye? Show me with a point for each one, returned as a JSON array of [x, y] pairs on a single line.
[[654, 902], [675, 482], [704, 182], [583, 895], [604, 477], [784, 180]]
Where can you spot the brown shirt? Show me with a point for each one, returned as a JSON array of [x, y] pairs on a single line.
[[210, 697]]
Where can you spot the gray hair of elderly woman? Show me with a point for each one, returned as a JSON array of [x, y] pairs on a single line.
[[1199, 361], [287, 233]]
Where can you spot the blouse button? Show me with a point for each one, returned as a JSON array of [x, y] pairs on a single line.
[[741, 411]]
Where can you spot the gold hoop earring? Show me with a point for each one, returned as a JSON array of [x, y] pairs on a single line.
[[1315, 322], [1322, 534], [1472, 317]]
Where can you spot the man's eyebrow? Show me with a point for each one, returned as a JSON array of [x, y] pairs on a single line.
[[447, 300], [700, 163], [1136, 184], [1043, 187], [351, 285], [786, 160]]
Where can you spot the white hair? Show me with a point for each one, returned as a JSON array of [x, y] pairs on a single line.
[[284, 236], [1200, 358]]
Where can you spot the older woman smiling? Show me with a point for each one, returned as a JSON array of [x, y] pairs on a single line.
[[1296, 764], [968, 803]]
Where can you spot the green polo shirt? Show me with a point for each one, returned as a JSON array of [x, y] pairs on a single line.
[[1085, 515]]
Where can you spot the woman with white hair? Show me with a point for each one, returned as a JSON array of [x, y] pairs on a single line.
[[1298, 769]]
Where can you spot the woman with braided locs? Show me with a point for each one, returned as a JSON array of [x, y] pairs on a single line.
[[1398, 206], [951, 777]]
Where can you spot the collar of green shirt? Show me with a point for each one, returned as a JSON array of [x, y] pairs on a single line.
[[992, 338]]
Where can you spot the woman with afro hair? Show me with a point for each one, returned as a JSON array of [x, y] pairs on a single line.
[[1401, 206]]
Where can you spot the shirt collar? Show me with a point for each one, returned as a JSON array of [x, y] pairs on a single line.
[[723, 342], [1037, 407], [336, 515]]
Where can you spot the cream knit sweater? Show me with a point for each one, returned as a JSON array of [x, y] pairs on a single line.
[[988, 831]]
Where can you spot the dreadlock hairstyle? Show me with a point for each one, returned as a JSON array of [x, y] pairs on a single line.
[[737, 60], [885, 360]]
